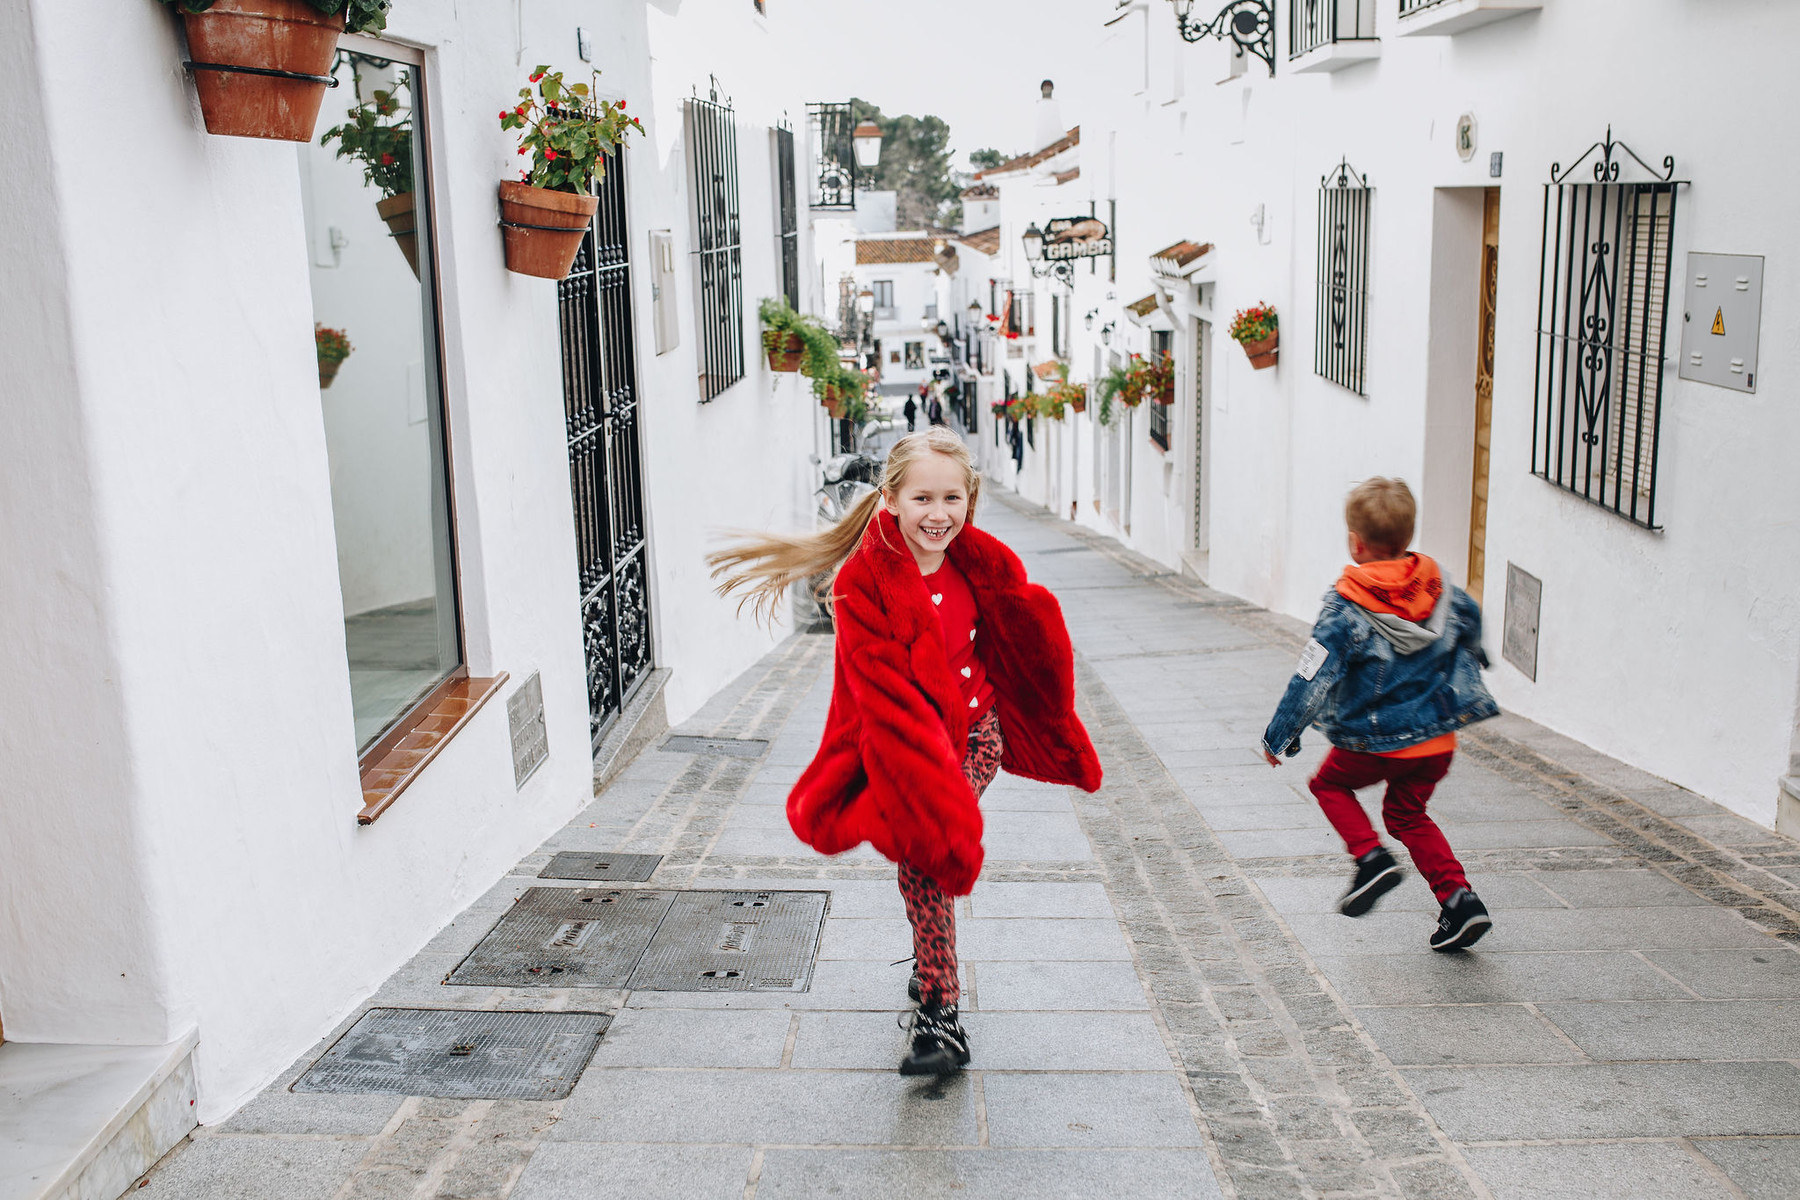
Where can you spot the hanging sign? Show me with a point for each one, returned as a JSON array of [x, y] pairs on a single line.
[[1076, 237]]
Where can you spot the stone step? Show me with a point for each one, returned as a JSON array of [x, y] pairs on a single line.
[[83, 1122]]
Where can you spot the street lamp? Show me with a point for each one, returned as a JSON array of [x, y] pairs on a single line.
[[1088, 320], [1062, 269], [1034, 242], [1250, 24], [974, 313], [866, 137], [1106, 334], [865, 302]]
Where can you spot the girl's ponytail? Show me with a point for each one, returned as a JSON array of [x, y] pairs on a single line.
[[765, 566]]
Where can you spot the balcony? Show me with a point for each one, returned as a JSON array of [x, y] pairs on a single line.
[[1443, 18], [1330, 35]]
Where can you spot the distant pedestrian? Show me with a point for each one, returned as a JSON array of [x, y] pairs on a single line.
[[940, 639], [912, 413], [934, 409], [1392, 671]]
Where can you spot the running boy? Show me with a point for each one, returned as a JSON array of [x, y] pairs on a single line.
[[1393, 670]]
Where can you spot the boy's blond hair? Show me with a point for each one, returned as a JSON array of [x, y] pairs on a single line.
[[1381, 512]]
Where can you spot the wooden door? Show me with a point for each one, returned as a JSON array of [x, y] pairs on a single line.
[[1484, 392]]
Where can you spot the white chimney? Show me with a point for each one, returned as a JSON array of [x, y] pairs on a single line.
[[1049, 117]]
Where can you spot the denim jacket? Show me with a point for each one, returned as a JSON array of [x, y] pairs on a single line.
[[1375, 683]]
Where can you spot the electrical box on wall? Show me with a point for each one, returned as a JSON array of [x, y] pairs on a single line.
[[662, 290], [1724, 317]]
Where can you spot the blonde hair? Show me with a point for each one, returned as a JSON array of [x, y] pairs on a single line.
[[1381, 512], [762, 567]]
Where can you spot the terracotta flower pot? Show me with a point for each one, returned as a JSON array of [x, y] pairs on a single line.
[[1078, 406], [543, 229], [1165, 396], [402, 223], [272, 35], [328, 369], [1264, 353], [786, 351]]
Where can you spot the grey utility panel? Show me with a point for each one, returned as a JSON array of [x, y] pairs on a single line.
[[1723, 318]]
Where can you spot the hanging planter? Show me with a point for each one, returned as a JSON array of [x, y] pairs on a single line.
[[261, 67], [334, 347], [1158, 375], [378, 137], [402, 222], [569, 134], [786, 351], [543, 228], [1259, 332]]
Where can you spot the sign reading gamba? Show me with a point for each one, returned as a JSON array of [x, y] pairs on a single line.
[[1077, 237]]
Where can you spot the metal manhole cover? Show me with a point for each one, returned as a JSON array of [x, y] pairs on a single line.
[[591, 864], [566, 937], [732, 747], [462, 1055], [734, 942]]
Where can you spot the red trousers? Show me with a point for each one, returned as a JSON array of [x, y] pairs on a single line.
[[1410, 782]]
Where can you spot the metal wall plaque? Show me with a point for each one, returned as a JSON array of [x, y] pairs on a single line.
[[1722, 327], [566, 937], [530, 739], [601, 864], [464, 1055], [733, 747], [735, 942], [1524, 596]]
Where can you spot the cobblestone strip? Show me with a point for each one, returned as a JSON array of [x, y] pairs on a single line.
[[1299, 1102], [451, 1150]]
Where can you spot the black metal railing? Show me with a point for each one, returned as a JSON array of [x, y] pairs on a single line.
[[1408, 7], [834, 155], [712, 148], [600, 409], [788, 231], [1162, 344], [1341, 328], [1316, 23], [1603, 303]]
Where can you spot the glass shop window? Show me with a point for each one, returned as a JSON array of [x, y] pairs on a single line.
[[366, 193]]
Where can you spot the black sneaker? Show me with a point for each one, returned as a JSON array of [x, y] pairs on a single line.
[[1376, 874], [939, 1045], [1463, 921]]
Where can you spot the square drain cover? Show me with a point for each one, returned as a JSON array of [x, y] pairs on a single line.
[[463, 1055], [587, 864], [732, 747], [734, 942], [566, 937]]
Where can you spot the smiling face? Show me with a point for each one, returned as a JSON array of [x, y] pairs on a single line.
[[931, 506]]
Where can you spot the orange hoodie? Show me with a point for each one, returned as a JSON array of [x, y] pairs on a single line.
[[1408, 587]]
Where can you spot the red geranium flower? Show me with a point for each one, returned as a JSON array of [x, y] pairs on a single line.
[[387, 160], [550, 154]]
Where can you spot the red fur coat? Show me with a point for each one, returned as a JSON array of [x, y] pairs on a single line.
[[889, 771]]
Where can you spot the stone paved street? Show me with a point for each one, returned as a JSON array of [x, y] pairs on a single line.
[[1161, 999]]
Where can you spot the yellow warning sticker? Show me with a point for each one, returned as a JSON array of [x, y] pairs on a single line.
[[1719, 323]]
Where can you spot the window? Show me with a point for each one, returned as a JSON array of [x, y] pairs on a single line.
[[788, 231], [1601, 317], [1340, 340], [915, 356], [1057, 328], [1315, 23], [1162, 342], [884, 295], [1014, 318], [712, 148], [834, 164], [368, 215]]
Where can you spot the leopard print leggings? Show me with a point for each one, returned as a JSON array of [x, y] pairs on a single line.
[[932, 913]]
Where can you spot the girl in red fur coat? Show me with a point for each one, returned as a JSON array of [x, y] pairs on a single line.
[[950, 666]]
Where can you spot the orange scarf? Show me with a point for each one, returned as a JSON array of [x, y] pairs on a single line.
[[1408, 586]]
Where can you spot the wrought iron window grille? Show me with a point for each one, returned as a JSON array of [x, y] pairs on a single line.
[[788, 231], [1162, 342], [1340, 346], [1316, 23], [718, 249], [1603, 304], [1248, 23], [834, 155], [1408, 7]]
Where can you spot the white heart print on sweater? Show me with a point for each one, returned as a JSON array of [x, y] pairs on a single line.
[[968, 671], [937, 597]]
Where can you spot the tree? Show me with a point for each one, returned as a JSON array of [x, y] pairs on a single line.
[[915, 162], [987, 160]]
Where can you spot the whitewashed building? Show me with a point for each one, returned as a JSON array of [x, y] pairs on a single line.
[[1493, 250], [285, 658]]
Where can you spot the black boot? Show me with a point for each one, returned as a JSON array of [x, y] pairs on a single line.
[[912, 988], [1463, 921], [1376, 874], [939, 1045]]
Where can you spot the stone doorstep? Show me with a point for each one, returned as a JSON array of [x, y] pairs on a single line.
[[644, 720], [79, 1121]]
